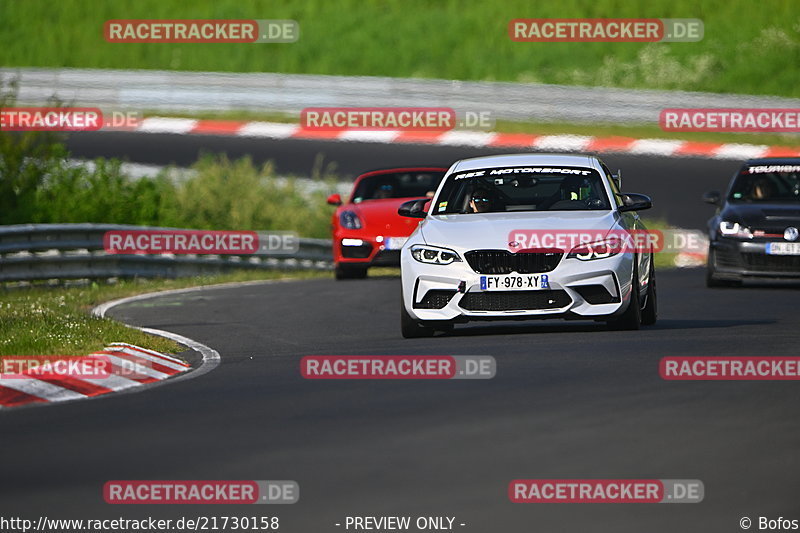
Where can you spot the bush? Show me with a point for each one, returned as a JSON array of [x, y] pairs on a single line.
[[38, 184]]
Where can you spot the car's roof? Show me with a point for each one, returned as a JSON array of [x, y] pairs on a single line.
[[412, 168], [577, 160], [773, 161]]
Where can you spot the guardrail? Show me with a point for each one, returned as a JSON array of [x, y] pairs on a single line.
[[166, 91], [35, 252]]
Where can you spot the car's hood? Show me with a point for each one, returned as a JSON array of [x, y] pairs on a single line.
[[492, 230], [774, 216], [379, 217]]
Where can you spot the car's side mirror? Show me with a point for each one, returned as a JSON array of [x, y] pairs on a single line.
[[617, 178], [335, 199], [635, 202], [413, 208], [712, 197]]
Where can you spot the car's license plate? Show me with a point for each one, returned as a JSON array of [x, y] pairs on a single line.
[[783, 248], [394, 243], [522, 282]]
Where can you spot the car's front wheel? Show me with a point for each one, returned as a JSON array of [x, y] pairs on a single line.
[[650, 309]]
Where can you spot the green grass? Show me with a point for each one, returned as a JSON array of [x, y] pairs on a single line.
[[57, 320], [749, 47]]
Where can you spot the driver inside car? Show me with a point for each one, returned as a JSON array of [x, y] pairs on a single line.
[[572, 188], [481, 201]]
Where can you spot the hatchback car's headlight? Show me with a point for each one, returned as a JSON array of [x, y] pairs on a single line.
[[734, 229], [434, 255], [596, 250], [349, 220]]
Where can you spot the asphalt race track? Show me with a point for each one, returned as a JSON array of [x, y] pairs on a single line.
[[570, 400], [675, 184]]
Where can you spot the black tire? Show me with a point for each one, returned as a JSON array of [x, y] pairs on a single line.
[[631, 319], [650, 310], [712, 282], [343, 271], [411, 328]]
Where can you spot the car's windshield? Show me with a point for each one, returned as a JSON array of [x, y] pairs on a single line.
[[536, 188], [767, 183], [397, 185]]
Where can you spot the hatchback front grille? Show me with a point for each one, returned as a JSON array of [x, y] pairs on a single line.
[[771, 263]]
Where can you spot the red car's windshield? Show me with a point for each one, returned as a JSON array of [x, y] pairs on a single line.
[[410, 184]]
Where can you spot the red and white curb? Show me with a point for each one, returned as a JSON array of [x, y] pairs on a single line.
[[558, 143], [150, 366]]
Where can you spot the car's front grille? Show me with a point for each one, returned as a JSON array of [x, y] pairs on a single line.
[[504, 262], [435, 299], [771, 263], [726, 258], [514, 300]]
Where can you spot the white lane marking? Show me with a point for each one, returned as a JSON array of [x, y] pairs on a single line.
[[273, 130], [570, 143], [369, 136], [114, 382], [167, 125], [167, 363], [151, 352], [740, 151], [278, 130], [211, 358], [136, 368], [466, 138], [655, 146]]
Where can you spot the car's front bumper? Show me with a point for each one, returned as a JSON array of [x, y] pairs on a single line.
[[358, 249], [596, 289], [737, 259]]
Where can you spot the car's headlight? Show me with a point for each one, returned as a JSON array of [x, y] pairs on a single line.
[[734, 229], [596, 250], [434, 255], [349, 220]]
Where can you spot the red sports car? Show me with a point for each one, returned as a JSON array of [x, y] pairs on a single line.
[[367, 231]]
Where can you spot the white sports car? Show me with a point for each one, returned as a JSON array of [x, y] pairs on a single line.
[[527, 236]]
